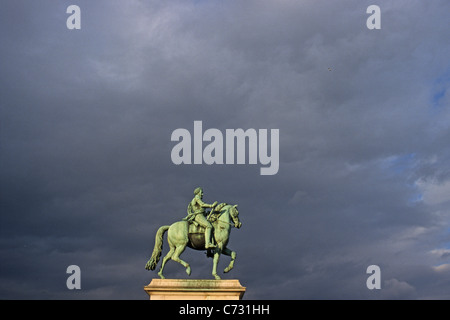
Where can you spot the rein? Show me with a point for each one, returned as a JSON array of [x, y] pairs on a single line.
[[231, 224]]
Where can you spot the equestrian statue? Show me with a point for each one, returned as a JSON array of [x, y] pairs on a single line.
[[199, 230]]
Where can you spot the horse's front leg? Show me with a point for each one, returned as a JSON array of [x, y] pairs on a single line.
[[232, 254], [217, 252]]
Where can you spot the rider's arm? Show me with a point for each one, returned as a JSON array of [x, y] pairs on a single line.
[[205, 205]]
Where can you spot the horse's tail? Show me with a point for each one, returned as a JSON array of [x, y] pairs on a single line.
[[154, 259]]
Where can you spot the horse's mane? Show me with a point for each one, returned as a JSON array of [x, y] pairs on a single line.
[[220, 206], [218, 211]]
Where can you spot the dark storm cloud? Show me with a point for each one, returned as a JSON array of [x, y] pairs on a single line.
[[86, 117]]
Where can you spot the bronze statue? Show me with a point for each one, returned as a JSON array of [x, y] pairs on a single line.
[[198, 231], [197, 213]]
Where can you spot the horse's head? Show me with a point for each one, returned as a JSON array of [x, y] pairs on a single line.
[[234, 213]]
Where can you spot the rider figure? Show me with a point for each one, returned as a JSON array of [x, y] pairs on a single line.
[[197, 212]]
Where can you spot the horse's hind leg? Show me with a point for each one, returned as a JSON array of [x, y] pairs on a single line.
[[176, 257], [166, 258]]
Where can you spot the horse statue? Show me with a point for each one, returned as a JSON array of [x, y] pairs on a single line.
[[182, 234]]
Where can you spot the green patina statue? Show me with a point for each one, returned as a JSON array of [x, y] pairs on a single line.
[[199, 230], [196, 212]]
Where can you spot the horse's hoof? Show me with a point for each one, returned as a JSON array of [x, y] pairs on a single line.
[[161, 276], [188, 271], [216, 277], [227, 269]]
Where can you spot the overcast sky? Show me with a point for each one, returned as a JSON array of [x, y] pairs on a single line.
[[86, 118]]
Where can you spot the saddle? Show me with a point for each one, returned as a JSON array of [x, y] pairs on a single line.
[[196, 233], [196, 236]]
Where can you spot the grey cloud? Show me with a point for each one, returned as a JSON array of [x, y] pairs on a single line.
[[86, 117]]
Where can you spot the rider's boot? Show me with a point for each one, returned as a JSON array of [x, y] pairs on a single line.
[[208, 244]]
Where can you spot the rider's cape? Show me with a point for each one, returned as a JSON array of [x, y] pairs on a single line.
[[191, 215]]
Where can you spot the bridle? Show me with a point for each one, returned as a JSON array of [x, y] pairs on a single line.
[[233, 225]]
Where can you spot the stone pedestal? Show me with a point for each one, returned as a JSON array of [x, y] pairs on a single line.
[[187, 289]]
